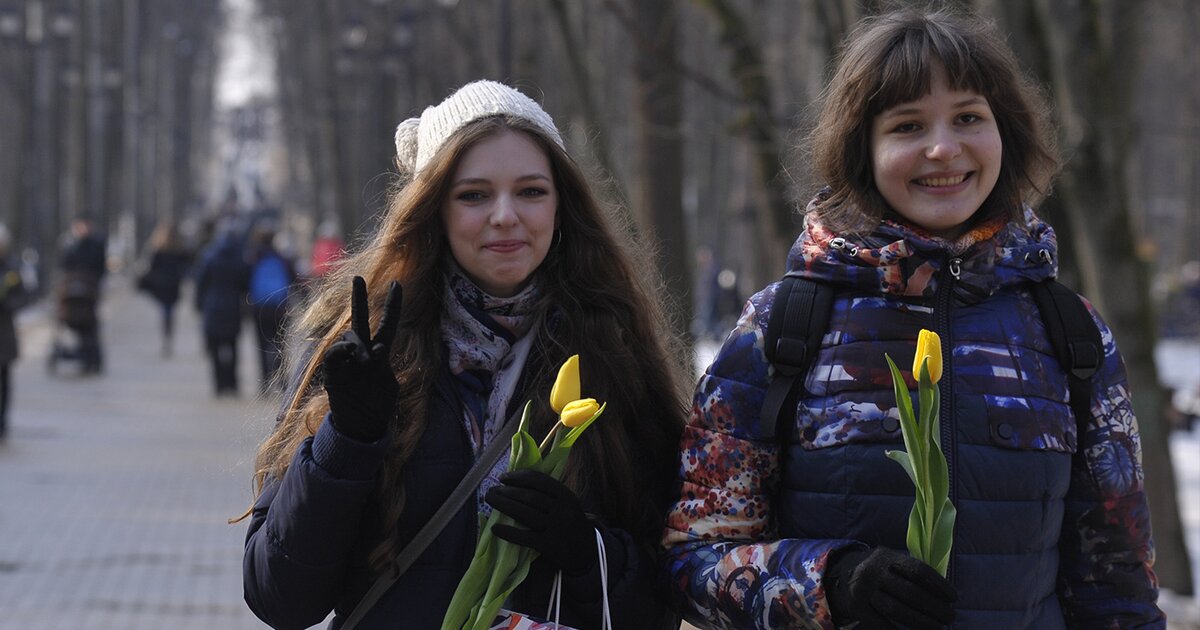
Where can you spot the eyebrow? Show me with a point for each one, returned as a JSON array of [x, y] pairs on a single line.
[[484, 180], [908, 111]]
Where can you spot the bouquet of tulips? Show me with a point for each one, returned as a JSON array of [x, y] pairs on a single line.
[[931, 522], [499, 566]]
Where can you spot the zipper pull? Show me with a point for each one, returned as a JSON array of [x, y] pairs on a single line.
[[955, 267]]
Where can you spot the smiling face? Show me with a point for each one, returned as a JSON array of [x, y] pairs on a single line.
[[936, 159], [500, 213]]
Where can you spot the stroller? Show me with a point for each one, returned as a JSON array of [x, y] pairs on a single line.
[[76, 298]]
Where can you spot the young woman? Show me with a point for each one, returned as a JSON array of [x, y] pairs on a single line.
[[508, 265], [933, 148]]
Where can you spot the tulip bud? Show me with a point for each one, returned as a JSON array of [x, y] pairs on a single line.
[[929, 346], [566, 386], [578, 411]]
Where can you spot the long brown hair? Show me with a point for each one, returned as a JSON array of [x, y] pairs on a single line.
[[889, 59], [603, 297]]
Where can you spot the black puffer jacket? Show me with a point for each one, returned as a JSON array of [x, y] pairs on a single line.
[[311, 532]]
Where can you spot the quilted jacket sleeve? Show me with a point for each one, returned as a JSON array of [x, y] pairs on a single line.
[[726, 567], [1105, 578], [304, 526]]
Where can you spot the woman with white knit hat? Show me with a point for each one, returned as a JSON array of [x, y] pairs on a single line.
[[493, 263]]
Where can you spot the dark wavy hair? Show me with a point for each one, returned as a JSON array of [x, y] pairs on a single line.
[[889, 59], [604, 299]]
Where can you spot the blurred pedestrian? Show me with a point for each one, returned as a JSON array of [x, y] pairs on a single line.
[[222, 279], [13, 296], [272, 278], [84, 263], [328, 248], [170, 261]]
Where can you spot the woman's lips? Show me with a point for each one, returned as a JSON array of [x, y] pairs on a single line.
[[504, 247]]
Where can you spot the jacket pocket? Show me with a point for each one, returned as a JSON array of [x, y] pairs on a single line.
[[1029, 424], [833, 421]]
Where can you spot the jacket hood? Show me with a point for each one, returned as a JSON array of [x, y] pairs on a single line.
[[901, 259]]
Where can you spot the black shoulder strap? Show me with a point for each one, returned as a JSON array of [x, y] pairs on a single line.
[[1075, 338], [430, 531], [799, 319]]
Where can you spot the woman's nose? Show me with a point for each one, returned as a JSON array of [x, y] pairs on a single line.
[[944, 145], [504, 212]]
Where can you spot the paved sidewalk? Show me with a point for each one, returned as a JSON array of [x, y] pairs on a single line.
[[115, 490]]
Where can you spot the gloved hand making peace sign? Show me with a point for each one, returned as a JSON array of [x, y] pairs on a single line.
[[358, 375]]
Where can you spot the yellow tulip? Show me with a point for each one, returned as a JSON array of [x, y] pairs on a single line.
[[566, 386], [929, 346], [578, 411]]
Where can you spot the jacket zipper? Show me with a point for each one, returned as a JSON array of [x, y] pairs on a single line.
[[943, 301]]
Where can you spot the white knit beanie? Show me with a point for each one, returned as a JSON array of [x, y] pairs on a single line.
[[418, 139]]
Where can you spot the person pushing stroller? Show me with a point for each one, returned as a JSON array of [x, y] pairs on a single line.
[[77, 295]]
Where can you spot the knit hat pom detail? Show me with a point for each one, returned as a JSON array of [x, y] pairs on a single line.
[[406, 144]]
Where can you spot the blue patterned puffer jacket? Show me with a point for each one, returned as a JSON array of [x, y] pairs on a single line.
[[1044, 539]]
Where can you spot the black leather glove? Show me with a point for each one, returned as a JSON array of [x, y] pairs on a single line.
[[358, 376], [884, 588], [552, 516]]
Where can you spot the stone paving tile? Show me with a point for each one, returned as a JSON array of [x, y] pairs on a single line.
[[115, 490]]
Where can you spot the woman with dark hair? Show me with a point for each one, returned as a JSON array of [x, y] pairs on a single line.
[[508, 265], [934, 150]]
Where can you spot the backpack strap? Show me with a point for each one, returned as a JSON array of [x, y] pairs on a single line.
[[799, 319], [1076, 341]]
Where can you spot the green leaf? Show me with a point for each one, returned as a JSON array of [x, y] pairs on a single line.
[[943, 538], [526, 449], [936, 426], [908, 426], [507, 575], [518, 454], [903, 400], [904, 460], [915, 539], [471, 587]]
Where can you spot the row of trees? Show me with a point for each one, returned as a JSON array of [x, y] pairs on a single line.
[[690, 112], [106, 107]]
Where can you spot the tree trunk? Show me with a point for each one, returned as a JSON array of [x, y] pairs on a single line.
[[777, 222], [658, 112], [1089, 76]]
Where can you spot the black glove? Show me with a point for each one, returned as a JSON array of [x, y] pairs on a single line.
[[358, 376], [884, 588], [553, 518]]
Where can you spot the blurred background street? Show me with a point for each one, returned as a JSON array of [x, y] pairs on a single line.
[[134, 128], [115, 489]]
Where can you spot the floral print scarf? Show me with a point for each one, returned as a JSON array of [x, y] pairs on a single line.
[[479, 331]]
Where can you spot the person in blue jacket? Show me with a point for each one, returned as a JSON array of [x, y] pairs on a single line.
[[496, 263], [933, 149]]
